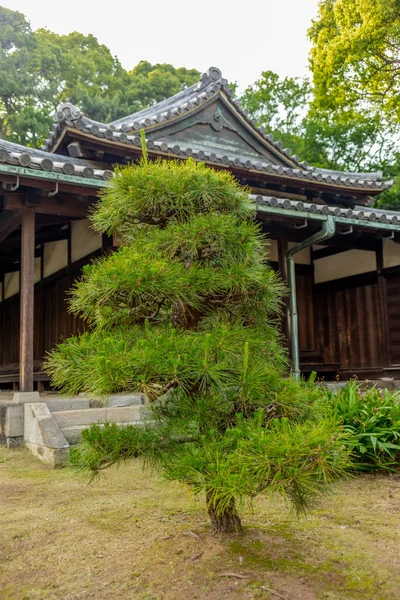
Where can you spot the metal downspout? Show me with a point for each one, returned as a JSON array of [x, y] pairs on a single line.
[[327, 231]]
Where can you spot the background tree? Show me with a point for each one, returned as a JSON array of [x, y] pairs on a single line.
[[356, 55], [355, 62], [17, 81], [41, 69], [344, 139], [185, 311]]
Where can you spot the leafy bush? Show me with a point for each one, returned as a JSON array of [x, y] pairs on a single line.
[[371, 418]]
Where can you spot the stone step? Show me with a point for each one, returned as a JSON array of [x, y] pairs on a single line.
[[73, 433], [57, 404], [125, 414]]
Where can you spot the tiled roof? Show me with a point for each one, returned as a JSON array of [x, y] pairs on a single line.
[[14, 154], [211, 84], [125, 131], [359, 214]]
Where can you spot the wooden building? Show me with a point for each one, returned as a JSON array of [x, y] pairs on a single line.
[[340, 254]]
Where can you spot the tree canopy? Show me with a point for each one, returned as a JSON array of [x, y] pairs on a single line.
[[356, 54], [41, 69], [355, 63], [353, 141]]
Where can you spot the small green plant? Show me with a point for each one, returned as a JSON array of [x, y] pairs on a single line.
[[186, 312], [371, 418]]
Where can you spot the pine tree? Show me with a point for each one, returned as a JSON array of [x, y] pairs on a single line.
[[186, 311]]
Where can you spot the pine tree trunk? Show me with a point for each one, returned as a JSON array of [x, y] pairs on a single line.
[[227, 521]]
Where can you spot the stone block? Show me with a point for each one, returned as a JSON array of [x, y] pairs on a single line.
[[41, 429], [43, 436], [68, 418], [23, 397], [124, 400], [11, 420], [385, 383], [53, 457], [125, 414], [57, 404], [73, 434]]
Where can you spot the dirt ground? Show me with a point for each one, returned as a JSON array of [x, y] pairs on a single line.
[[128, 536]]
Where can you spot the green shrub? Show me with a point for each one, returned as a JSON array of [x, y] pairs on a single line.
[[371, 418]]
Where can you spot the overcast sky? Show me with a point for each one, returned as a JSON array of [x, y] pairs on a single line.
[[241, 38]]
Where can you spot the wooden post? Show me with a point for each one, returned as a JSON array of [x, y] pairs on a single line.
[[383, 306], [27, 301], [282, 266]]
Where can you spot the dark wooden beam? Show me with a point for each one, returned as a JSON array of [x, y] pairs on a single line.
[[12, 262], [27, 300], [379, 255], [355, 241], [62, 206], [47, 220], [282, 265], [42, 236], [9, 222], [328, 251]]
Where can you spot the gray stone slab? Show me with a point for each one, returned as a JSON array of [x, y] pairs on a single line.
[[23, 397], [57, 404], [68, 418], [12, 420], [125, 400], [125, 414], [53, 457], [41, 429]]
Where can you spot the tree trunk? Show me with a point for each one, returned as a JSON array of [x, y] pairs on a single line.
[[227, 521]]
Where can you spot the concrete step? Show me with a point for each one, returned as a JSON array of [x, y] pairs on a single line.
[[125, 414], [73, 434]]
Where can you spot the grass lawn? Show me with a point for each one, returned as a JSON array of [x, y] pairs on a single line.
[[127, 537]]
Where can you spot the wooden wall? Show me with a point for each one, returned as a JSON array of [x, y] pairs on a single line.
[[346, 327], [52, 322], [393, 310], [350, 327]]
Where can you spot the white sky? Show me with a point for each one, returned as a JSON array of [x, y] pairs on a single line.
[[241, 38]]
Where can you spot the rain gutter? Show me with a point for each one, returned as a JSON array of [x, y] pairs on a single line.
[[328, 230], [51, 176]]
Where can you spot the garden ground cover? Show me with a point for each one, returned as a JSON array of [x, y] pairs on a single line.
[[126, 537]]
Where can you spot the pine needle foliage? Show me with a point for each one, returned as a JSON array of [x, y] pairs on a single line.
[[186, 311]]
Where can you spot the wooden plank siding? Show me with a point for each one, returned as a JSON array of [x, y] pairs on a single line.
[[347, 327], [393, 310], [53, 322], [351, 327]]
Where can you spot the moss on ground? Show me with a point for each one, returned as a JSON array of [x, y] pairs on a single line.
[[128, 537]]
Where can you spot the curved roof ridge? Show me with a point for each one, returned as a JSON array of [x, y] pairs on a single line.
[[32, 158], [358, 213], [210, 84], [374, 175]]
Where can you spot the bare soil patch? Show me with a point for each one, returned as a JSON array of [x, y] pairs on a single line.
[[127, 537]]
